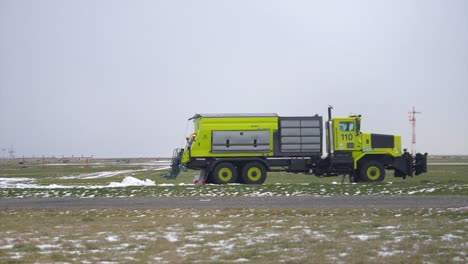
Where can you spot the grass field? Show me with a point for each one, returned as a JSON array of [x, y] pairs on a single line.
[[231, 236], [437, 235], [109, 180]]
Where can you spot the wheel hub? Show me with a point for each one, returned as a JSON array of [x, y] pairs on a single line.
[[373, 173], [225, 174], [254, 174]]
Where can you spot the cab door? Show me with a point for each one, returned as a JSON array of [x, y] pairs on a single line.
[[345, 134]]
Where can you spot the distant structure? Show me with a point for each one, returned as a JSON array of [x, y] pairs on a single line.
[[11, 153], [412, 119]]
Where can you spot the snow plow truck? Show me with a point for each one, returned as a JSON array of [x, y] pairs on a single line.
[[242, 148]]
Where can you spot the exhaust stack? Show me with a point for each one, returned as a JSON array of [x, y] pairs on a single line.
[[330, 131]]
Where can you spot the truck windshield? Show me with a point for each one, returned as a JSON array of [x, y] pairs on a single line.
[[346, 126]]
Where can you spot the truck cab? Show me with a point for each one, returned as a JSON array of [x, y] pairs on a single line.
[[347, 135], [368, 154]]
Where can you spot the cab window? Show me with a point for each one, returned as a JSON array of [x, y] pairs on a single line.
[[346, 126]]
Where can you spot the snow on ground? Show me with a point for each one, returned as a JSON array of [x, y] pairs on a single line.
[[15, 182], [47, 246], [97, 175], [132, 181], [112, 238], [26, 183], [450, 237], [363, 237], [388, 227], [390, 253], [171, 237], [27, 187]]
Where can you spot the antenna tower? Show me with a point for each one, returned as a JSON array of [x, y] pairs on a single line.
[[412, 119]]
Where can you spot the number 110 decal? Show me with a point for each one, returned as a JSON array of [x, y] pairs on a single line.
[[346, 137]]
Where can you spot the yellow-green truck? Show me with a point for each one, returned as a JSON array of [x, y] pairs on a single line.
[[242, 148]]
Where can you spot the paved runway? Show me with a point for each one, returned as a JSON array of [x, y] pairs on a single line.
[[297, 202]]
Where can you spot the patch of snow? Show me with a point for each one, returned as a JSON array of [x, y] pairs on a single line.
[[17, 255], [389, 253], [363, 237], [458, 259], [171, 237], [47, 246], [132, 181], [450, 237], [6, 247], [112, 238], [166, 184], [429, 190], [241, 260], [97, 175], [25, 183], [399, 238], [14, 182], [388, 227], [222, 245]]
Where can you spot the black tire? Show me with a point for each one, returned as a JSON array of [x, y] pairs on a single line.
[[224, 173], [372, 171], [254, 173]]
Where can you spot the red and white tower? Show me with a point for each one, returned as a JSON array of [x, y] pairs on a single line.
[[412, 119]]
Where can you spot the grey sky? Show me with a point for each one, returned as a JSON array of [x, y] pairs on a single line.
[[121, 78]]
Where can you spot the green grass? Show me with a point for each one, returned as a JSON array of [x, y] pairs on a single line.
[[448, 159], [440, 180]]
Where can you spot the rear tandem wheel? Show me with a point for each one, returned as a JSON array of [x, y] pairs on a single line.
[[253, 173], [224, 173]]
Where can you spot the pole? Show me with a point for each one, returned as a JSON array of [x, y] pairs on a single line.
[[412, 119]]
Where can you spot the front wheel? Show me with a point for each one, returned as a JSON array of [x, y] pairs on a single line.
[[224, 173], [253, 173], [372, 171]]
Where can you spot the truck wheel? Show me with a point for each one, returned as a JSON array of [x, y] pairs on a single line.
[[254, 173], [224, 173], [372, 171]]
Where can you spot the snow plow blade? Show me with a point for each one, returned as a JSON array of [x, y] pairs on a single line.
[[176, 167], [420, 163]]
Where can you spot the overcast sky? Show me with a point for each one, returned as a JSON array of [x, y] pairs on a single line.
[[120, 78]]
